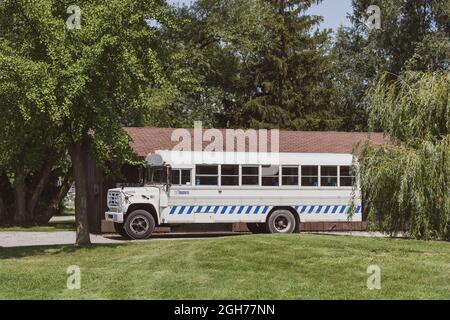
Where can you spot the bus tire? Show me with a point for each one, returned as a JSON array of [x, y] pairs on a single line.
[[281, 221], [119, 227], [256, 227], [139, 225]]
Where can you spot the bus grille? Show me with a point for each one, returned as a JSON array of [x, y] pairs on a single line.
[[114, 199]]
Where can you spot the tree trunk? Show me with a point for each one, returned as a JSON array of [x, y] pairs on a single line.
[[20, 204], [42, 182], [55, 203], [6, 198], [3, 210], [79, 156]]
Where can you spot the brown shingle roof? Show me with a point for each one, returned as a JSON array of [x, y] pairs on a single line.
[[147, 140]]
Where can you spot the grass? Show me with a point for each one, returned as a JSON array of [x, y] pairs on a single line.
[[51, 226], [238, 267]]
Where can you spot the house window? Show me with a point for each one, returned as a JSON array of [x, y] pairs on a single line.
[[310, 176], [250, 175], [230, 175], [181, 177], [206, 175], [328, 176], [270, 175], [289, 176], [346, 177]]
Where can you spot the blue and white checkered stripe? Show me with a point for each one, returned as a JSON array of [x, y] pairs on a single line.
[[250, 209], [325, 209]]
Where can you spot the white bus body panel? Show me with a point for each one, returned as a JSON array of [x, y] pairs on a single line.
[[224, 204]]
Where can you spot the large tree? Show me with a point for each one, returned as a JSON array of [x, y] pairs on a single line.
[[414, 36], [218, 41], [260, 63], [291, 79], [100, 58], [406, 183], [31, 149]]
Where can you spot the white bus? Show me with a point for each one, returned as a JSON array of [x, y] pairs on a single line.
[[226, 188]]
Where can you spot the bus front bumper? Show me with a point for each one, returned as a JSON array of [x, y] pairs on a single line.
[[114, 216]]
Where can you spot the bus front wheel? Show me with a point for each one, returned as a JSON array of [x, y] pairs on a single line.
[[139, 225], [281, 221]]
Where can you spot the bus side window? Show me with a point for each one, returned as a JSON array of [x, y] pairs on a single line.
[[206, 175], [328, 176], [250, 175], [346, 177], [185, 177], [181, 177], [270, 175], [310, 176], [289, 176], [175, 179], [229, 175]]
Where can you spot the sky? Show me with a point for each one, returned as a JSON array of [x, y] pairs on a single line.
[[333, 11]]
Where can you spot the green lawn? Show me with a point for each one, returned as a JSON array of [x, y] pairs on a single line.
[[238, 267], [51, 226]]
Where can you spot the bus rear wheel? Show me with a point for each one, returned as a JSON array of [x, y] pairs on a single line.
[[139, 225], [281, 221]]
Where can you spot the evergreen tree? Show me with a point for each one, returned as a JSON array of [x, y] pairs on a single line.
[[290, 80], [259, 64]]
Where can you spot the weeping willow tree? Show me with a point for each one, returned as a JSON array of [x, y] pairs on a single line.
[[406, 184]]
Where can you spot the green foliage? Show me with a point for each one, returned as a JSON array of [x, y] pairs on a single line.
[[257, 63], [413, 109], [26, 103], [99, 72], [291, 80], [407, 184], [72, 89], [414, 36]]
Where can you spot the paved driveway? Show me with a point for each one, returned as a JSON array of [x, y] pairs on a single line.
[[25, 239], [41, 238]]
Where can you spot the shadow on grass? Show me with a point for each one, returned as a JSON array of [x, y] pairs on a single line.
[[24, 252]]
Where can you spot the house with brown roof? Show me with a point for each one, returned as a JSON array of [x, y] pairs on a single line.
[[148, 140]]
